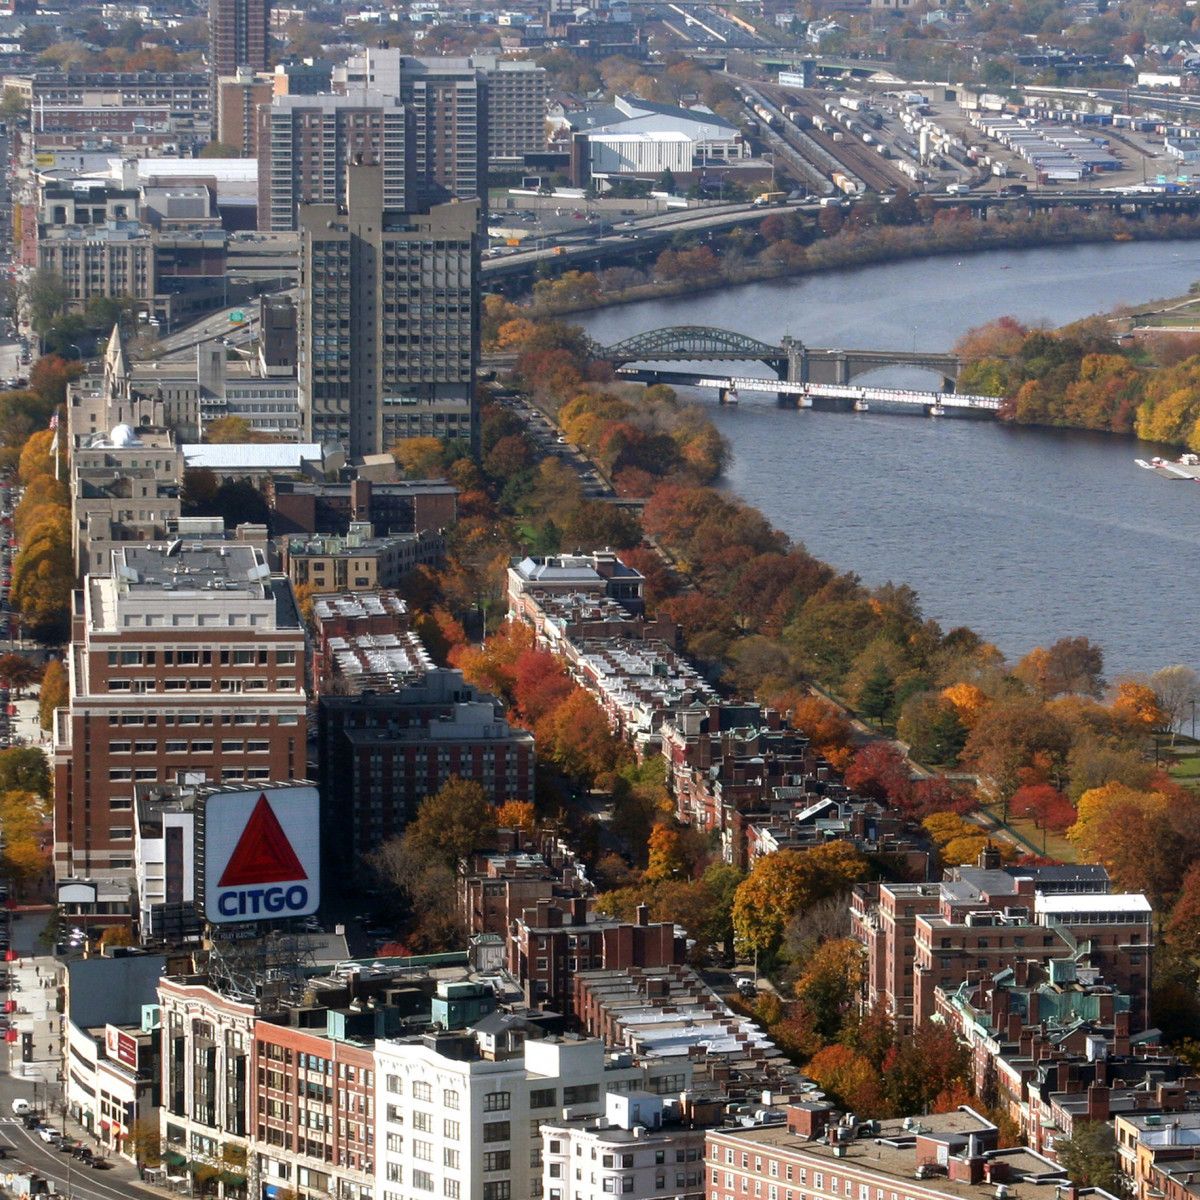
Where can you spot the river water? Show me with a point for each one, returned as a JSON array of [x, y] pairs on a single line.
[[1026, 535]]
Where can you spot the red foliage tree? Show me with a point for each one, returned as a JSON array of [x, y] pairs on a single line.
[[1044, 805], [880, 772]]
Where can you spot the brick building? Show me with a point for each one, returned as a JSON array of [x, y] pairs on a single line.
[[359, 561], [520, 870], [401, 507], [314, 1105], [186, 664], [815, 1155], [921, 937], [396, 732], [550, 942]]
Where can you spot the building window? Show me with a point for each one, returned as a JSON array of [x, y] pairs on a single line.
[[496, 1131], [497, 1102], [497, 1160], [543, 1098], [422, 1180], [449, 1098], [422, 1091]]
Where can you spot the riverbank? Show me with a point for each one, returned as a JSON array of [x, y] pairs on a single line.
[[784, 259]]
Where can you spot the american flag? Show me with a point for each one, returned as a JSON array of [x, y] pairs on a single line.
[[54, 421]]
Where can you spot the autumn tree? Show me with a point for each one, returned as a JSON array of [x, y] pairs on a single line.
[[824, 724], [228, 430], [577, 738], [17, 671], [455, 820], [1145, 839], [50, 375], [1071, 665], [37, 457], [25, 769], [831, 984], [516, 814], [852, 1078], [419, 457], [54, 692], [880, 772], [1010, 736], [781, 884], [1138, 703], [1176, 689], [1044, 805], [931, 726]]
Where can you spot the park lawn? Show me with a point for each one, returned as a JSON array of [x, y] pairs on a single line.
[[1186, 768], [1058, 847]]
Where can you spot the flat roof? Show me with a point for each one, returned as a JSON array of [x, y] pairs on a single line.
[[251, 456], [1131, 902]]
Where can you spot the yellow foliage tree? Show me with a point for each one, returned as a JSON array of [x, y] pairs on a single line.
[[516, 814], [968, 700], [53, 692], [784, 883], [36, 457], [419, 457], [1137, 703]]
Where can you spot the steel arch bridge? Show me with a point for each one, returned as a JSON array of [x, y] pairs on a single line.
[[687, 343]]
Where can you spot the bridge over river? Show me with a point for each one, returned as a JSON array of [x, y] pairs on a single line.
[[802, 373]]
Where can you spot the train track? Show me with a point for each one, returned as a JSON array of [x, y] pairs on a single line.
[[873, 169]]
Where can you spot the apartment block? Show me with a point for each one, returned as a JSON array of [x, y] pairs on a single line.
[[921, 937], [400, 507], [186, 664], [670, 1014], [306, 145], [552, 941], [395, 729], [123, 493], [238, 36], [314, 1103], [88, 104], [360, 560], [238, 99], [454, 1123], [389, 336], [113, 260], [523, 868], [516, 108]]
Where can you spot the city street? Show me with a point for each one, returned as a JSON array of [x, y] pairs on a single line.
[[36, 977]]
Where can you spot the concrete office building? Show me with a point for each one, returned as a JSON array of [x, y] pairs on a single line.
[[186, 664], [307, 143], [389, 333]]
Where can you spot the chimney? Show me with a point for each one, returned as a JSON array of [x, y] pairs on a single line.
[[579, 907], [1097, 1102], [1014, 1027], [643, 915]]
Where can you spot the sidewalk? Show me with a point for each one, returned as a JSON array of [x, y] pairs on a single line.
[[35, 990]]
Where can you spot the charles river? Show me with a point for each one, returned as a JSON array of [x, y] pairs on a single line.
[[1026, 535]]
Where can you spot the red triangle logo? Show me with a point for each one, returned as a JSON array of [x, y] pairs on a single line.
[[263, 853]]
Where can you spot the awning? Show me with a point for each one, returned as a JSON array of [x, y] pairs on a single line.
[[232, 1179], [174, 1159]]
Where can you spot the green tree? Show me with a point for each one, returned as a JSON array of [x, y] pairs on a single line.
[[1089, 1156], [24, 769], [46, 295], [878, 694], [666, 182]]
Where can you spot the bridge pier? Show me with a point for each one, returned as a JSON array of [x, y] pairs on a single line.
[[948, 383], [797, 360]]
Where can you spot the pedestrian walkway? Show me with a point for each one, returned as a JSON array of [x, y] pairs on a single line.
[[36, 1053]]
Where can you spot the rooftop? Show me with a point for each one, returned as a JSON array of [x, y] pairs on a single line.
[[358, 606]]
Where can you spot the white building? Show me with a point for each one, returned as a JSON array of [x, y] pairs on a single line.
[[456, 1125], [630, 1151], [637, 137]]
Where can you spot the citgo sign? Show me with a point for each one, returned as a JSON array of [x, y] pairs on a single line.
[[261, 855]]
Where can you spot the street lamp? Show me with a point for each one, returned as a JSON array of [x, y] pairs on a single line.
[[78, 352]]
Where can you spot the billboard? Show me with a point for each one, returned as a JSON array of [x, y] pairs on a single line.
[[260, 855], [120, 1047]]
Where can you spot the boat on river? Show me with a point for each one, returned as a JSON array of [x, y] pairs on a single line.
[[1187, 466]]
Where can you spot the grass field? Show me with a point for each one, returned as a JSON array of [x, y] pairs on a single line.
[[1056, 846]]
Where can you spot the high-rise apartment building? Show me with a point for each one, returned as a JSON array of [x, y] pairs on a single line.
[[238, 99], [238, 35], [186, 665], [508, 97], [389, 332], [306, 145]]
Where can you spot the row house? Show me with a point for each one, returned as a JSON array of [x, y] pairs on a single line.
[[549, 943]]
